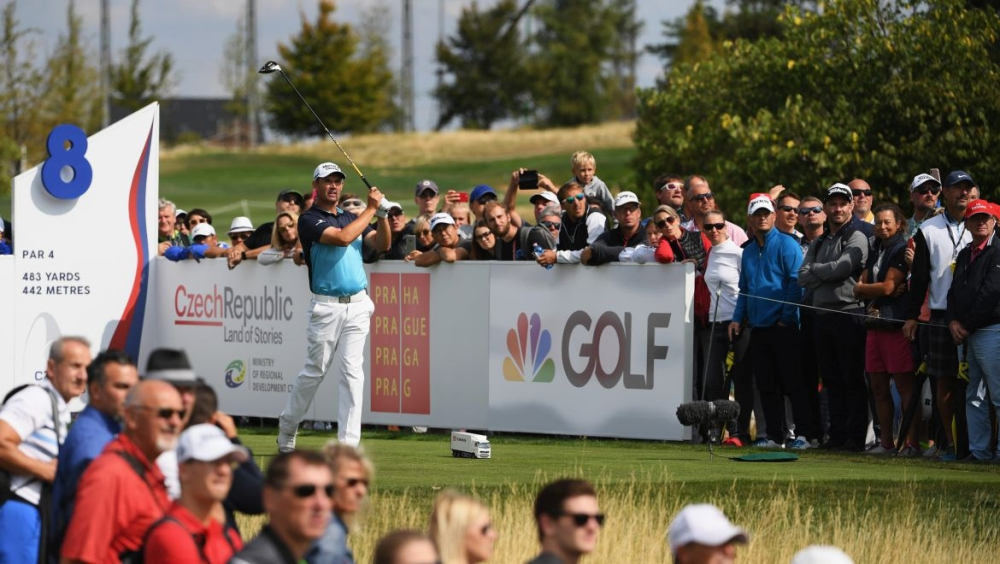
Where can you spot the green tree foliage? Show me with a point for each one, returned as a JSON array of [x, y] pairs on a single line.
[[237, 74], [484, 65], [323, 60], [22, 86], [374, 32], [138, 80], [624, 58], [73, 93], [877, 89]]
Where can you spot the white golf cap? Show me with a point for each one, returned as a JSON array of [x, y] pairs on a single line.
[[326, 169], [208, 443], [180, 212], [626, 197], [819, 554], [759, 201], [545, 195], [202, 230], [920, 179], [441, 219], [240, 224], [703, 524]]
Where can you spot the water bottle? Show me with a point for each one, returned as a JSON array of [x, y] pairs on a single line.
[[536, 249]]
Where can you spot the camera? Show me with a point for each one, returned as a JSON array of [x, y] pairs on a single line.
[[528, 180]]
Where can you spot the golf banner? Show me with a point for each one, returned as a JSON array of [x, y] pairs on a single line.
[[86, 230]]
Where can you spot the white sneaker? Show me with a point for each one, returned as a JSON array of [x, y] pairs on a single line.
[[932, 452], [286, 443], [878, 449], [765, 443], [800, 443]]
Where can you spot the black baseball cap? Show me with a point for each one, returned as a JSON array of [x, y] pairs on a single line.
[[956, 176], [284, 194]]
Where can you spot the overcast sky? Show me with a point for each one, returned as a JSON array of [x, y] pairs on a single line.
[[194, 32]]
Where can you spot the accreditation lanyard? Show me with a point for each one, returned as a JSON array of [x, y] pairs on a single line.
[[954, 243]]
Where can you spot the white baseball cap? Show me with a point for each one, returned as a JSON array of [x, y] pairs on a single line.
[[920, 179], [759, 201], [202, 230], [545, 195], [208, 443], [326, 169], [240, 224], [703, 524], [441, 219], [387, 205], [626, 197], [819, 554]]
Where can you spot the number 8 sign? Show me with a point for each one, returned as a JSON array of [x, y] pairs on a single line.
[[61, 157]]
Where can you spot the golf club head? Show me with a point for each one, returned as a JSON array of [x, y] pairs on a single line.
[[269, 67]]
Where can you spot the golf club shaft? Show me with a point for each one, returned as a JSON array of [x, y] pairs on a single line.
[[323, 125]]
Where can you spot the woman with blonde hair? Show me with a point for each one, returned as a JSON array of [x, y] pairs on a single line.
[[461, 528], [284, 240]]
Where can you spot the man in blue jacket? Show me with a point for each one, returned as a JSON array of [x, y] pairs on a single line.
[[768, 303]]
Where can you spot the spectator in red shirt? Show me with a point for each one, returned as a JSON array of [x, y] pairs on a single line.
[[194, 528], [122, 493]]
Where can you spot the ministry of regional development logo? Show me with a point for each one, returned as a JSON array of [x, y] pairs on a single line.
[[236, 373], [528, 346]]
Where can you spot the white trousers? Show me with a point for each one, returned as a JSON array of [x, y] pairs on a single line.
[[336, 343]]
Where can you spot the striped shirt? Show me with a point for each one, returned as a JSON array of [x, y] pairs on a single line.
[[29, 413]]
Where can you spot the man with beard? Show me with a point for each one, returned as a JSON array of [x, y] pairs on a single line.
[[924, 192], [629, 233]]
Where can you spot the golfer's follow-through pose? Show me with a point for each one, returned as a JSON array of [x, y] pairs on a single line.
[[340, 309]]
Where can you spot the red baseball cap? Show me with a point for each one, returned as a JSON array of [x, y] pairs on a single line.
[[980, 206]]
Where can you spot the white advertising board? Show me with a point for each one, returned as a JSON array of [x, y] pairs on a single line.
[[86, 221]]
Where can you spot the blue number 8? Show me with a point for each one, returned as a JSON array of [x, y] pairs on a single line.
[[60, 157]]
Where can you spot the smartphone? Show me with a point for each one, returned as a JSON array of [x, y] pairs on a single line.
[[463, 196], [528, 180], [409, 243]]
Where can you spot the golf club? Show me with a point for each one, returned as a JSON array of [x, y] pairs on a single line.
[[272, 66]]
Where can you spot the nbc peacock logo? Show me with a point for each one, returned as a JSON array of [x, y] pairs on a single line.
[[528, 347]]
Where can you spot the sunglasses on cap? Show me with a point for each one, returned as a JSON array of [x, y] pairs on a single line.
[[671, 186], [813, 209], [714, 226], [575, 198], [551, 225], [663, 222], [788, 209], [581, 519], [923, 190], [303, 491], [865, 193], [700, 197]]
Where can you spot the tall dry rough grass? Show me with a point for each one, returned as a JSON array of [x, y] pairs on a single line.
[[410, 149], [903, 530]]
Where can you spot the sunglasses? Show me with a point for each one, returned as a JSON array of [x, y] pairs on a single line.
[[865, 193], [714, 226], [672, 186], [550, 225], [581, 519], [575, 198], [424, 232], [395, 213], [923, 190], [814, 209], [239, 236], [353, 203], [303, 491], [292, 199], [484, 236], [427, 195], [788, 209], [164, 412], [700, 197], [352, 482], [663, 222]]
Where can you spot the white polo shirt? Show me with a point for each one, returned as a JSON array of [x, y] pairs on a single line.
[[29, 413]]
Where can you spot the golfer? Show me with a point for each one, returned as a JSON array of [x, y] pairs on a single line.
[[340, 309]]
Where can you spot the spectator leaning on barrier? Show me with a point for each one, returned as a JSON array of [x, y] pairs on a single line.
[[583, 165], [462, 529], [568, 521], [181, 224], [205, 245], [542, 200], [483, 242], [924, 192], [239, 230], [629, 233], [194, 528], [110, 376], [887, 352], [284, 241], [701, 534], [768, 304], [678, 244], [260, 240], [340, 310], [297, 495], [33, 422], [122, 492], [974, 320], [423, 238], [166, 220], [513, 243], [831, 267], [581, 226], [861, 194], [352, 474], [550, 218], [445, 235], [462, 215], [700, 201], [405, 547], [936, 247]]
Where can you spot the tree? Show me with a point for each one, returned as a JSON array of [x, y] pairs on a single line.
[[373, 32], [238, 74], [22, 87], [861, 89], [484, 62], [72, 85], [624, 58], [135, 81], [347, 90]]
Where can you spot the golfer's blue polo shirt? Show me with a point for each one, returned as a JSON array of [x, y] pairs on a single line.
[[333, 270]]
